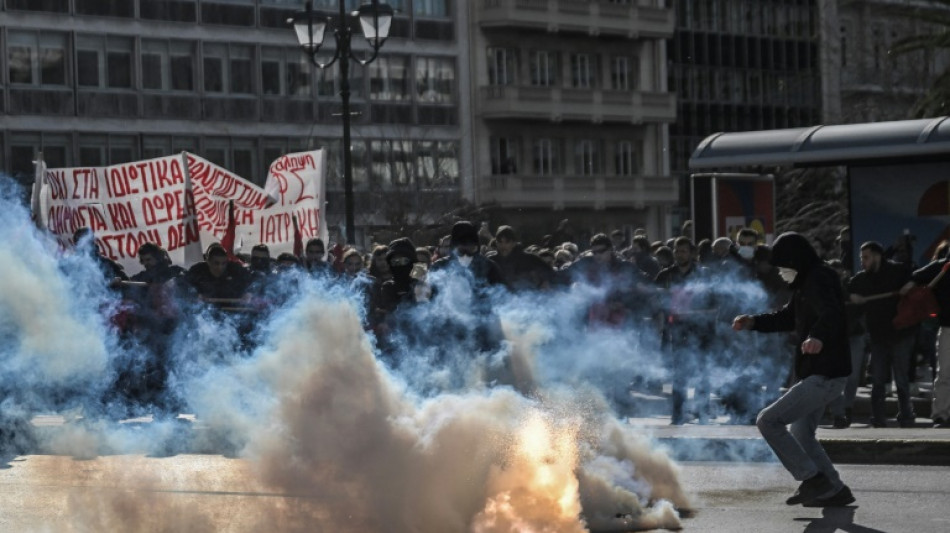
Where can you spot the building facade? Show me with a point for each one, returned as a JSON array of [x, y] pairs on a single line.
[[743, 65], [570, 114], [868, 81], [98, 82]]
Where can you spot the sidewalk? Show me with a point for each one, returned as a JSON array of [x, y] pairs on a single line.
[[859, 444]]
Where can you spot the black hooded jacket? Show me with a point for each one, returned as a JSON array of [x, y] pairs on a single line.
[[816, 309]]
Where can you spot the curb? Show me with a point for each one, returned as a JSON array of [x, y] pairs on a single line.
[[843, 451]]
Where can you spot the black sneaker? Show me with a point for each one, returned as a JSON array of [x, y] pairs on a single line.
[[841, 498], [795, 499], [941, 423], [814, 487], [841, 422]]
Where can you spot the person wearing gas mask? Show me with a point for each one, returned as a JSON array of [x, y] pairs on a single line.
[[816, 313], [465, 253], [480, 274]]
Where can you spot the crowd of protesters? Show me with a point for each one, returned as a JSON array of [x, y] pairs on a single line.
[[644, 281]]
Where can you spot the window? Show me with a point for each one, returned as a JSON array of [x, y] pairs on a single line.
[[227, 68], [388, 78], [328, 80], [25, 146], [168, 65], [582, 71], [174, 10], [543, 68], [625, 159], [57, 6], [437, 163], [284, 72], [622, 73], [430, 8], [502, 66], [435, 80], [244, 160], [107, 8], [104, 61], [229, 12], [392, 162], [504, 155], [587, 157], [37, 58], [544, 155]]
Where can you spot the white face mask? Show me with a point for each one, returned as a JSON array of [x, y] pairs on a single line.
[[465, 260], [787, 274], [746, 252]]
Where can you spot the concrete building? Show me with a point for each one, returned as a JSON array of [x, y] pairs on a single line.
[[97, 82], [537, 109], [570, 114], [741, 65], [866, 81]]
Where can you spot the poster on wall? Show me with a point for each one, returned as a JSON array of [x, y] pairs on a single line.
[[723, 204], [905, 207]]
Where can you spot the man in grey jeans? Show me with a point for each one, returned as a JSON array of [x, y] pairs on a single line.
[[822, 364]]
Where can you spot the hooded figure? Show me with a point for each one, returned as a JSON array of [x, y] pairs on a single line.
[[822, 364], [816, 308], [400, 258]]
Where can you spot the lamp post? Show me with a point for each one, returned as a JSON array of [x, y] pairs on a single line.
[[375, 18]]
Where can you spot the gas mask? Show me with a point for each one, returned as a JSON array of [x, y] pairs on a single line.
[[787, 274], [746, 252], [465, 260], [400, 267]]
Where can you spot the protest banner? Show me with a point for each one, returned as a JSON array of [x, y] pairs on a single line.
[[180, 202]]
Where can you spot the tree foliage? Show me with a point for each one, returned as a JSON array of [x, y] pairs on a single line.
[[813, 202]]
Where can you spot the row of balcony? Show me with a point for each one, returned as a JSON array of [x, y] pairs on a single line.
[[587, 105], [253, 108], [566, 192], [584, 16]]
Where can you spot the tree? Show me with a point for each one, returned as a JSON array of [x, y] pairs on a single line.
[[935, 15], [813, 202]]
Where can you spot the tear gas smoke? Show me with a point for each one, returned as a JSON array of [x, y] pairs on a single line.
[[487, 413]]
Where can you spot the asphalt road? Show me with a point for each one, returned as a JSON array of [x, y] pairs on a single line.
[[746, 498], [211, 493]]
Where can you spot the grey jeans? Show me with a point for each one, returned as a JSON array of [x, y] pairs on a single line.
[[789, 425]]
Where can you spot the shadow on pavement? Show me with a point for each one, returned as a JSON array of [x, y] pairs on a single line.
[[836, 519]]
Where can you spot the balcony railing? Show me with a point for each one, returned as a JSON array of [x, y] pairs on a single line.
[[587, 105], [571, 191], [592, 17]]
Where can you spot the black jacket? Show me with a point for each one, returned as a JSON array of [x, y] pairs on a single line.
[[233, 284], [816, 309], [879, 314], [522, 270]]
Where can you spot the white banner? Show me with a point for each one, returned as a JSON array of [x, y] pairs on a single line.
[[181, 203]]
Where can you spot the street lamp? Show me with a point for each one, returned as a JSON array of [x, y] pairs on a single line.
[[311, 26]]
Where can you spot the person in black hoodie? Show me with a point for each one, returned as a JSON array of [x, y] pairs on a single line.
[[822, 364]]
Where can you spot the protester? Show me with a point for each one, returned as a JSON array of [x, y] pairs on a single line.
[[521, 270], [940, 407], [315, 258], [218, 280], [822, 361], [688, 328], [876, 288]]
